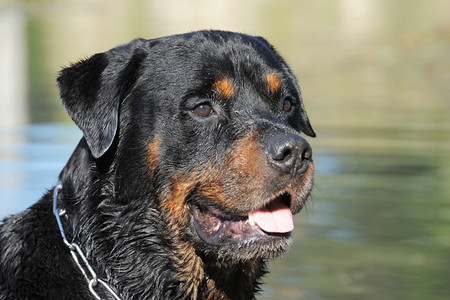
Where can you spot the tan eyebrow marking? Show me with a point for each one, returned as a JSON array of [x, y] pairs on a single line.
[[225, 87], [273, 83]]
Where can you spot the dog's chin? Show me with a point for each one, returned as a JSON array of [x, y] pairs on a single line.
[[225, 237]]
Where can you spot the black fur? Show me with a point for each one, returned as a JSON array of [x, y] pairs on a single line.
[[147, 161]]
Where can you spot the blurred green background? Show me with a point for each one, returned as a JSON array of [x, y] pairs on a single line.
[[375, 77]]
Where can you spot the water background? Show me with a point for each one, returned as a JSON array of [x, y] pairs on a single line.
[[375, 78]]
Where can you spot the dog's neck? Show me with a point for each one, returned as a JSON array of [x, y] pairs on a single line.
[[130, 243], [203, 277], [233, 281]]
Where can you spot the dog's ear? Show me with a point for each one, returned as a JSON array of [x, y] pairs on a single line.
[[93, 89], [305, 125]]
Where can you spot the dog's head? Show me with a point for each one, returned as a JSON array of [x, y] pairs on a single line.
[[204, 127]]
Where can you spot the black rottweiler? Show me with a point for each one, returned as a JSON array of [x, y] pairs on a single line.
[[184, 184]]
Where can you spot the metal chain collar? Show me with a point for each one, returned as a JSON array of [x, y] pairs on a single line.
[[77, 253]]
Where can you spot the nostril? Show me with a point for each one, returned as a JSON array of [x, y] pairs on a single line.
[[287, 154], [283, 154]]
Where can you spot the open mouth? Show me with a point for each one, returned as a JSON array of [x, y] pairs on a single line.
[[274, 219]]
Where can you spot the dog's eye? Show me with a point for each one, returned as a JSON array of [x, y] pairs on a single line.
[[203, 110], [287, 104]]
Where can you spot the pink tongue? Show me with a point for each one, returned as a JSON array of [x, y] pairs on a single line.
[[274, 218]]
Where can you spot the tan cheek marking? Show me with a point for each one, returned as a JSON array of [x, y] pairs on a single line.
[[225, 87], [273, 83], [153, 154], [176, 212], [246, 172], [215, 192], [247, 157], [173, 201], [175, 204]]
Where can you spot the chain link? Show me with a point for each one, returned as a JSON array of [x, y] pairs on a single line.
[[78, 254]]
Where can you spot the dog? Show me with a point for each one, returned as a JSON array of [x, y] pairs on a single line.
[[184, 183]]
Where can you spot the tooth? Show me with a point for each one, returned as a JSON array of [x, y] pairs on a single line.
[[250, 219]]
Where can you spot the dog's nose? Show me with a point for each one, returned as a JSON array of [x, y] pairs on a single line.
[[290, 153]]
